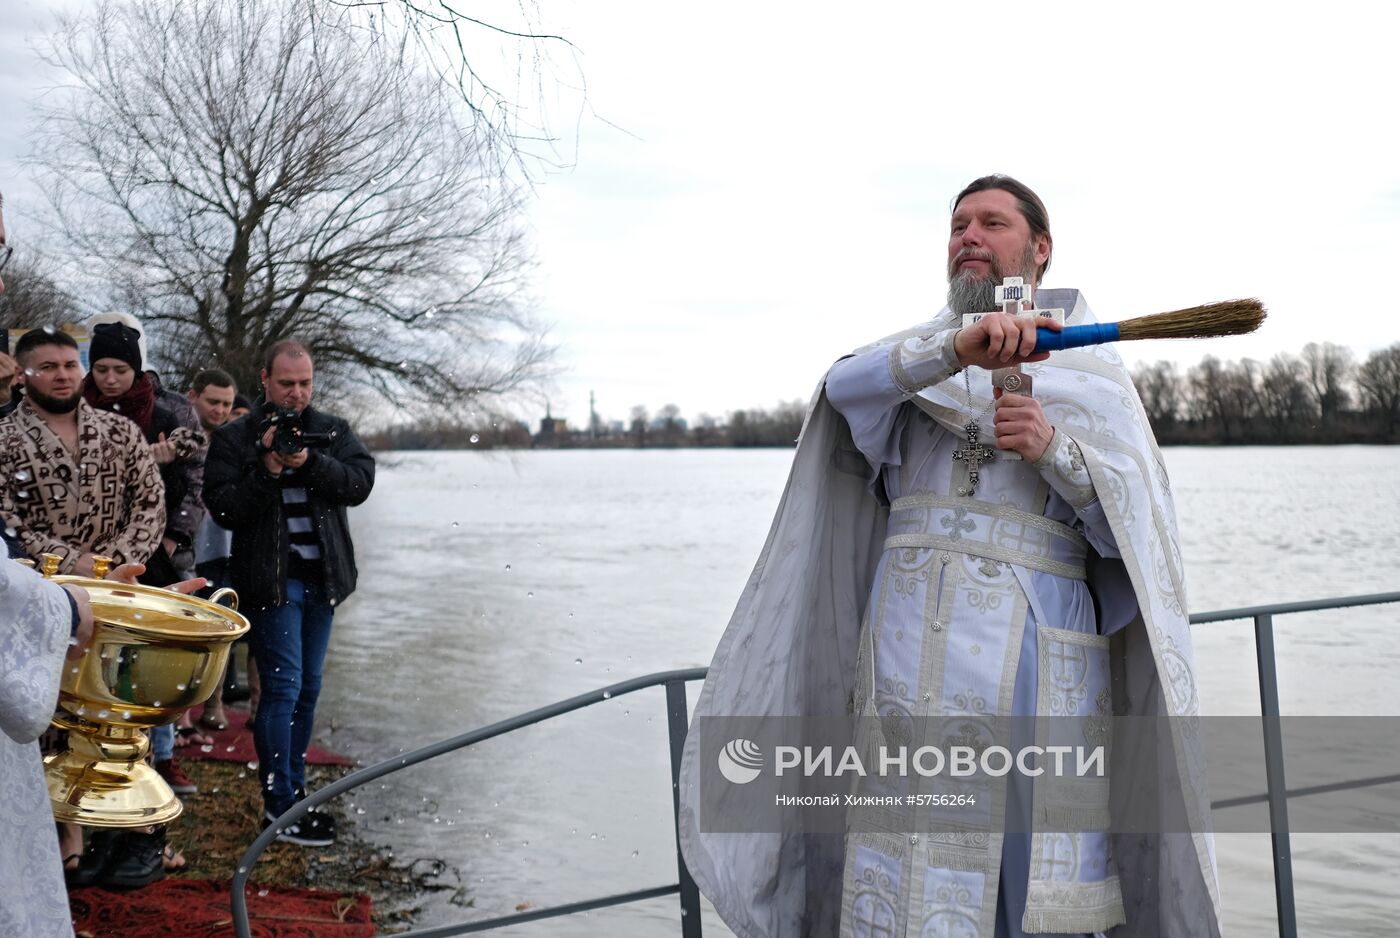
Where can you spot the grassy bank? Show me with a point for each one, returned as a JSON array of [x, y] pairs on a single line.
[[223, 818]]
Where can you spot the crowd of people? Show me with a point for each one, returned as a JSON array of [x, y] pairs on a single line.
[[194, 491]]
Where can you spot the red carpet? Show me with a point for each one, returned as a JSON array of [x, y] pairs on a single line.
[[176, 908], [235, 744]]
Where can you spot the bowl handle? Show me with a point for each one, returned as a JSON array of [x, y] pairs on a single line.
[[227, 593]]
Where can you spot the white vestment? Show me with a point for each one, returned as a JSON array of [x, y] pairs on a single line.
[[955, 594], [35, 621]]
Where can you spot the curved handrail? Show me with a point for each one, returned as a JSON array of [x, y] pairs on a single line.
[[423, 754]]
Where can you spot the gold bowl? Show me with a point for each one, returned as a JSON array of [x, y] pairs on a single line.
[[154, 654]]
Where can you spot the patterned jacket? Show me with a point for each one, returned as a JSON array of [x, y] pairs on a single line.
[[111, 501]]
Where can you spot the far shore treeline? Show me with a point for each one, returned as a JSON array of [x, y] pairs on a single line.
[[1322, 395]]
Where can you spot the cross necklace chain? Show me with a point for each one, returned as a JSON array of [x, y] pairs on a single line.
[[974, 454]]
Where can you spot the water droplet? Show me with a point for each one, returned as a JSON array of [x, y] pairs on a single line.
[[207, 747], [22, 476], [507, 568], [487, 835], [262, 893], [456, 525], [475, 438], [636, 853], [431, 313], [179, 686], [592, 836], [607, 695], [578, 661], [359, 810], [103, 714], [530, 595]]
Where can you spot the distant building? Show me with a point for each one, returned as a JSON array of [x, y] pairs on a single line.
[[553, 429]]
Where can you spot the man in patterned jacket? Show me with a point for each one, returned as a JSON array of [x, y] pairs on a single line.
[[80, 482]]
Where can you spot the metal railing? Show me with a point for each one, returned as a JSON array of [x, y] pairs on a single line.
[[1276, 796]]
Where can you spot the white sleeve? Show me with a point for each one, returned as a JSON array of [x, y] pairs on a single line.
[[37, 624], [868, 389]]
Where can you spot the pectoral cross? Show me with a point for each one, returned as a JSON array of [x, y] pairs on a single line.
[[972, 456]]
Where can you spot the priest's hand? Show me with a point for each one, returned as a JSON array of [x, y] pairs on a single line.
[[83, 637], [1021, 425], [128, 572], [1000, 341]]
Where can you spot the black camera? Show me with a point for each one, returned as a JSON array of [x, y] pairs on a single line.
[[288, 436]]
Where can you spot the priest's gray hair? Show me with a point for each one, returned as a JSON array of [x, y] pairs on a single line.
[[1032, 209]]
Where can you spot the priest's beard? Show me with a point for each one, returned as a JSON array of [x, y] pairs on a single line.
[[969, 294], [54, 405]]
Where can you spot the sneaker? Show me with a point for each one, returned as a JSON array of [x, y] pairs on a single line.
[[313, 830], [175, 777], [138, 861], [301, 796]]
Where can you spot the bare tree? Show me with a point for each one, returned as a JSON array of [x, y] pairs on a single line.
[[243, 176], [1284, 400], [1162, 393], [1328, 367], [33, 298], [637, 423], [1379, 382]]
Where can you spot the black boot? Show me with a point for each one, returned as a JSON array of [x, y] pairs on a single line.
[[140, 861], [102, 846]]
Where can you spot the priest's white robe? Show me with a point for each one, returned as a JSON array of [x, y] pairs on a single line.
[[902, 564], [35, 624]]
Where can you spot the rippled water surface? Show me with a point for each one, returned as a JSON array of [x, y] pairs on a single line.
[[493, 584]]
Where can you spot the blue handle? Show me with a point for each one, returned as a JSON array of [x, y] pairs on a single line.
[[1047, 340]]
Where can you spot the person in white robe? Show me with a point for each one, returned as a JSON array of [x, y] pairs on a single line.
[[40, 628], [912, 583], [41, 625]]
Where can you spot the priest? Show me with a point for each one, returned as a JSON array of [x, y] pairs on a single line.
[[972, 530], [43, 625]]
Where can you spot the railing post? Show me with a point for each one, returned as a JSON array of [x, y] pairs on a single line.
[[678, 722], [1273, 769]]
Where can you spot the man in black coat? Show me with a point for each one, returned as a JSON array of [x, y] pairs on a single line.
[[292, 561]]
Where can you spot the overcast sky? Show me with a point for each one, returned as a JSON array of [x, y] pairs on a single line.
[[778, 190]]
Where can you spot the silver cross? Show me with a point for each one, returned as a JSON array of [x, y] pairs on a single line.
[[972, 456]]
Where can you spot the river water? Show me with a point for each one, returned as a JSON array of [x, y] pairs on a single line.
[[493, 583]]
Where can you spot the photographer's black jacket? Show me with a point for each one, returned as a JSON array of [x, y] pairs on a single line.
[[244, 497]]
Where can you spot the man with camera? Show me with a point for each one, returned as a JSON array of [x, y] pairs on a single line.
[[280, 478]]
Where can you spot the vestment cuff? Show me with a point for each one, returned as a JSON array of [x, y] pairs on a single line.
[[922, 361], [1062, 465], [77, 618]]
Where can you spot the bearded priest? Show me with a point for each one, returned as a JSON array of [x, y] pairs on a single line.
[[916, 577]]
